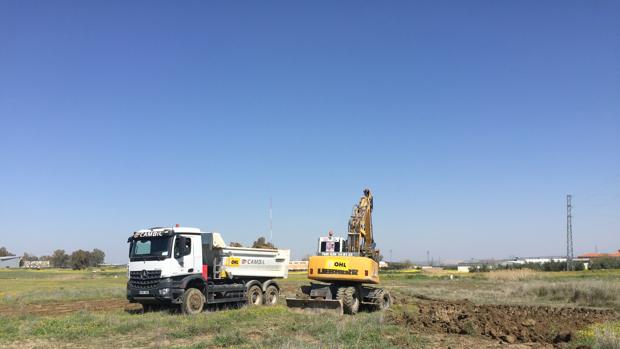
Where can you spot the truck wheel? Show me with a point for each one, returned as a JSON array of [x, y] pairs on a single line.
[[193, 301], [271, 295], [350, 299], [255, 295]]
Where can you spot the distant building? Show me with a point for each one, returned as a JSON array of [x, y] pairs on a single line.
[[543, 260], [599, 255], [467, 267], [10, 261], [111, 265], [36, 264], [383, 264], [463, 268], [533, 260], [298, 265]]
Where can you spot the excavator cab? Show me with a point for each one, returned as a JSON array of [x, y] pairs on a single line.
[[329, 245]]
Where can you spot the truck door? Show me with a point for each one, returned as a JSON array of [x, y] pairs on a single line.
[[184, 255]]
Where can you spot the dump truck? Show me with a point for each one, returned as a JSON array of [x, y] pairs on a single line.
[[344, 268], [186, 268]]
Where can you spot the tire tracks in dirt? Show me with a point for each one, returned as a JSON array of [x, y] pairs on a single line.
[[67, 307]]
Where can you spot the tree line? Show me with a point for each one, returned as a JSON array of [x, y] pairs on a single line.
[[261, 242], [595, 264], [79, 259]]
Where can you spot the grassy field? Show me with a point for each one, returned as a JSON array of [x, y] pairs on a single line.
[[36, 286], [278, 327]]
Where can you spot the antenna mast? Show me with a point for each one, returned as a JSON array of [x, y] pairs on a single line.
[[569, 233]]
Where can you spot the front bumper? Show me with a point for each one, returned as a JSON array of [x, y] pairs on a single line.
[[161, 291]]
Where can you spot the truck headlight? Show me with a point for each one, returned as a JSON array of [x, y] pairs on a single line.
[[164, 291]]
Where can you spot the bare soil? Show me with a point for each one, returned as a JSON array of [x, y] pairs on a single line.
[[61, 308], [537, 326]]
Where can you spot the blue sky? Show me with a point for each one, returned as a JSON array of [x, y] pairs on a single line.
[[470, 121]]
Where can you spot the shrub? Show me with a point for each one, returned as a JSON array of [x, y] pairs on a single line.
[[605, 263], [605, 338], [600, 336], [590, 293]]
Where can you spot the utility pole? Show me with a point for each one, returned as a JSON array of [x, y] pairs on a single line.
[[270, 221], [391, 260], [428, 257], [569, 233]]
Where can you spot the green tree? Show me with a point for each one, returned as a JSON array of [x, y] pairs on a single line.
[[96, 257], [59, 259], [261, 242], [80, 259], [235, 244], [29, 257], [4, 252]]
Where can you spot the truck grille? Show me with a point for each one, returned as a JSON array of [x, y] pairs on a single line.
[[144, 278]]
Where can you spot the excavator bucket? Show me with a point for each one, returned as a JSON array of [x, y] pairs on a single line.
[[316, 305]]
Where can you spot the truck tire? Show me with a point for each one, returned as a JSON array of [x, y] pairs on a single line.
[[350, 299], [193, 301], [271, 295], [255, 295]]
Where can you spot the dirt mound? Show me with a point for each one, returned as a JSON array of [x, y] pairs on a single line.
[[60, 308], [507, 323]]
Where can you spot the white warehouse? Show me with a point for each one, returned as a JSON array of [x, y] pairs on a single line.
[[10, 261]]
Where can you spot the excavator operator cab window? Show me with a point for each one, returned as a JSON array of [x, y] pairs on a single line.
[[330, 244]]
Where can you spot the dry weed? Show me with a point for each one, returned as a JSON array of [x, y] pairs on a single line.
[[513, 275]]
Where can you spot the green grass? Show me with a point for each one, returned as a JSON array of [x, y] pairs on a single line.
[[39, 286], [253, 327], [592, 293], [269, 327], [19, 287]]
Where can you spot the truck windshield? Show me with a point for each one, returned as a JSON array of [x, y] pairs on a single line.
[[150, 248]]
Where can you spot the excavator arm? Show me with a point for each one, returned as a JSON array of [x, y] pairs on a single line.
[[361, 237]]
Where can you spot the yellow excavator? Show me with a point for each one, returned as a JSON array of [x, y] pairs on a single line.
[[344, 266]]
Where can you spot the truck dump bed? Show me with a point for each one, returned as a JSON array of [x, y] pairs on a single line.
[[244, 262]]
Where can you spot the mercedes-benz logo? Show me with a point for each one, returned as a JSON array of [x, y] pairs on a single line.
[[144, 274]]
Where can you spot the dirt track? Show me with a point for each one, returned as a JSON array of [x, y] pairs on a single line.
[[504, 323], [61, 308]]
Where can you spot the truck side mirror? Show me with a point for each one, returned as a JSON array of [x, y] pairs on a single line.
[[179, 246]]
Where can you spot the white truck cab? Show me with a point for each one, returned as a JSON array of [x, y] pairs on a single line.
[[187, 267]]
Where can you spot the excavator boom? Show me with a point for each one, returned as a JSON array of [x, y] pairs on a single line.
[[361, 237]]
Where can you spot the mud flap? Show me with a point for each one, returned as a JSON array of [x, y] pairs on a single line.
[[316, 305]]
